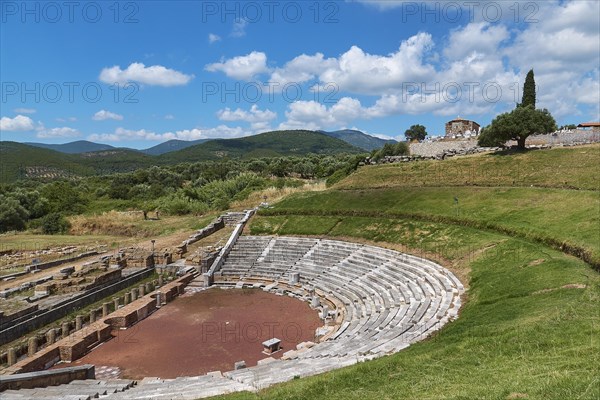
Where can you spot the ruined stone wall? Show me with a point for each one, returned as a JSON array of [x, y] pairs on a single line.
[[81, 341], [44, 317], [432, 149]]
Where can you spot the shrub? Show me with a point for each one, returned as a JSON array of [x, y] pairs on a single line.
[[13, 215], [179, 205], [54, 223], [389, 149]]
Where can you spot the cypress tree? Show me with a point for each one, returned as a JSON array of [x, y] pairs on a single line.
[[528, 91]]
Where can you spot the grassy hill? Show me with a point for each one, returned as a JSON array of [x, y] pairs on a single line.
[[19, 161], [568, 168], [268, 144], [530, 326], [116, 160]]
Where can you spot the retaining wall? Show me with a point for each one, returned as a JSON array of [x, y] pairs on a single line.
[[50, 264], [6, 319]]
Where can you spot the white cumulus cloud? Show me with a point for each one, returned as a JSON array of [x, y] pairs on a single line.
[[18, 123], [122, 134], [242, 67], [155, 75], [359, 72], [103, 115], [302, 68], [480, 37], [314, 115], [253, 115], [53, 133]]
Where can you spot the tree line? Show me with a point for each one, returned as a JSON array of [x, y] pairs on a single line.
[[175, 190]]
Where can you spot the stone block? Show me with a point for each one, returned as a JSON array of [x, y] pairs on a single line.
[[294, 278], [32, 346], [50, 336], [239, 365], [78, 322], [12, 356], [65, 329], [315, 302]]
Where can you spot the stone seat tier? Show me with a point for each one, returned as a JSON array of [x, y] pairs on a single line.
[[186, 388], [77, 389]]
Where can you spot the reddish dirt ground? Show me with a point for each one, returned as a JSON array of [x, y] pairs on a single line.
[[207, 331]]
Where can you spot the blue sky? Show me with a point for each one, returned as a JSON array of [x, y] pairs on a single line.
[[138, 73]]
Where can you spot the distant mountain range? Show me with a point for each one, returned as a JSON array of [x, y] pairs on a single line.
[[19, 160], [172, 145], [79, 146], [359, 139], [352, 137], [84, 146]]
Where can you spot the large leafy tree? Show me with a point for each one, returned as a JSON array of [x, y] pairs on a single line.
[[520, 123], [517, 125], [416, 132]]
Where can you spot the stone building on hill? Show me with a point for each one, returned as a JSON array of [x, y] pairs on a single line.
[[593, 126], [460, 127]]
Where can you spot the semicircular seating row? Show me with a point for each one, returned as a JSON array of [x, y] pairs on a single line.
[[390, 299]]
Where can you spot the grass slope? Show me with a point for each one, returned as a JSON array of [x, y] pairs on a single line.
[[554, 216], [571, 168], [530, 328]]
